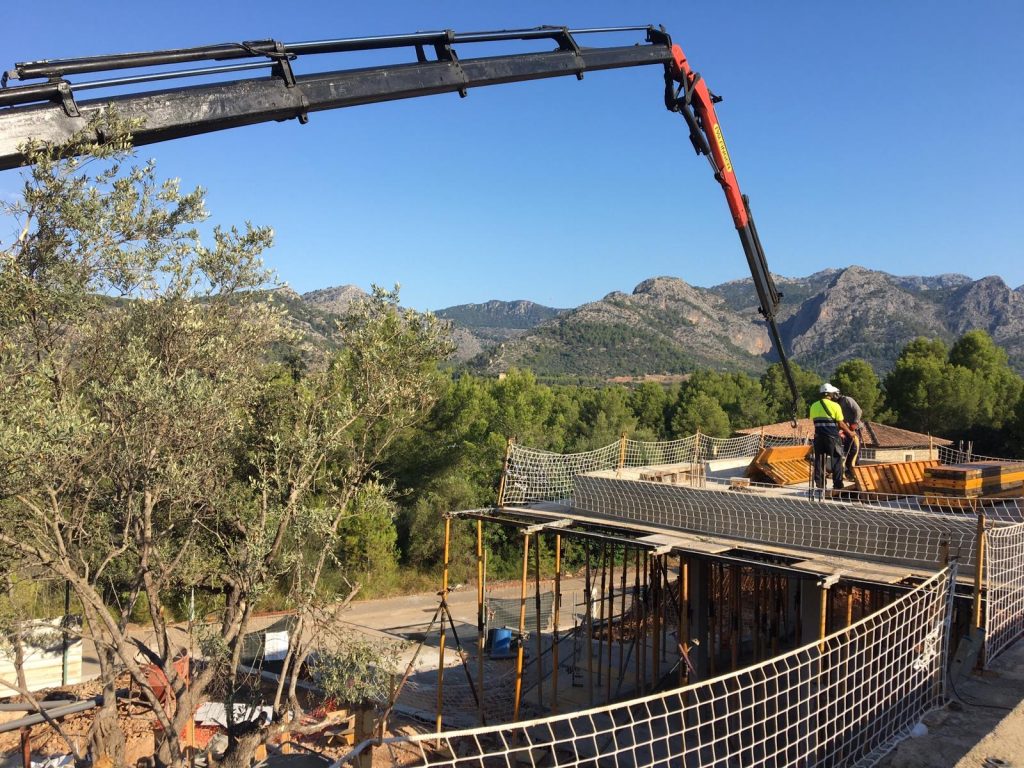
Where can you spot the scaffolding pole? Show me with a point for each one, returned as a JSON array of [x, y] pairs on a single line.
[[444, 597], [481, 620], [554, 636], [522, 626], [540, 645]]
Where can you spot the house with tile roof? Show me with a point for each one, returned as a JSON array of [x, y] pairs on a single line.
[[882, 442]]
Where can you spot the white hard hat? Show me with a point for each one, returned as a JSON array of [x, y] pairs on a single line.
[[828, 389]]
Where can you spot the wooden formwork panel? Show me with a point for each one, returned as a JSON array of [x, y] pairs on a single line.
[[898, 477], [972, 502], [782, 465], [979, 470], [975, 488], [788, 472], [974, 479]]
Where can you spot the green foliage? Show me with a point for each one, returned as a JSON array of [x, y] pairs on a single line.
[[700, 412], [969, 387], [359, 674], [857, 379], [150, 447], [740, 396], [606, 349], [650, 403], [778, 395], [1001, 386]]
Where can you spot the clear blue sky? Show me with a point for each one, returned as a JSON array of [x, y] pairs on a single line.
[[885, 134]]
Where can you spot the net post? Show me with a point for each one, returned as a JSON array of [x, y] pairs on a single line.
[[504, 471], [823, 617], [622, 454], [979, 569], [481, 620], [522, 627], [444, 597]]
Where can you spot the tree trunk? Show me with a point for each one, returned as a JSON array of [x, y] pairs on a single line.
[[106, 737], [242, 748]]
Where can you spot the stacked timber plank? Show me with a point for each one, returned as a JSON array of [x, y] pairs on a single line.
[[676, 474], [899, 478], [973, 480], [781, 465]]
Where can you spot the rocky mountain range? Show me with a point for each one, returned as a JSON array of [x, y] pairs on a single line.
[[668, 326]]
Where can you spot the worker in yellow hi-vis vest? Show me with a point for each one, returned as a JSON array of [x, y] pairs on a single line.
[[829, 426]]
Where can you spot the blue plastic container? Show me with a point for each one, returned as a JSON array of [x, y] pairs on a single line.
[[500, 641]]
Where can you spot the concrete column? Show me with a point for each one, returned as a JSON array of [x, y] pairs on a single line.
[[810, 610]]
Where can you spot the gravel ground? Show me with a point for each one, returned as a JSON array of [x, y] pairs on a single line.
[[984, 720]]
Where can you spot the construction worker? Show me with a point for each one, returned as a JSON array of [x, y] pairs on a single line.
[[852, 415], [829, 426]]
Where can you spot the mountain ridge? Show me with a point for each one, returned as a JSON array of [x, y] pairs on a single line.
[[667, 326]]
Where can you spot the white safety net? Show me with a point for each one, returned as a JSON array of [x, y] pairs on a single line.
[[535, 475], [1004, 581], [995, 510], [842, 701], [645, 454], [950, 455], [840, 528]]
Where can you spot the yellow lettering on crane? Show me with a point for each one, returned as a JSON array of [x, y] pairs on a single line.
[[721, 148]]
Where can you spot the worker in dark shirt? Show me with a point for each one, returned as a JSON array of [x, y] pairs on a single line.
[[853, 416], [829, 425]]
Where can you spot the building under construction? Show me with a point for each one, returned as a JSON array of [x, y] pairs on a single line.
[[720, 620]]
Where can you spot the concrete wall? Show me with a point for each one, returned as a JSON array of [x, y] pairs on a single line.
[[885, 455], [43, 659]]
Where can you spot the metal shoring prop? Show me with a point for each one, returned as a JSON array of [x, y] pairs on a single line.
[[638, 618], [654, 581], [540, 640], [601, 609], [481, 619], [522, 625], [444, 597], [737, 612], [756, 574], [622, 613], [554, 636], [610, 624], [589, 618]]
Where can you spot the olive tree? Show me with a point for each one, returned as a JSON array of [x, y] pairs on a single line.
[[147, 446]]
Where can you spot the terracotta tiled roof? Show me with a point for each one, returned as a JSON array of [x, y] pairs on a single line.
[[884, 436], [804, 428], [875, 435]]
